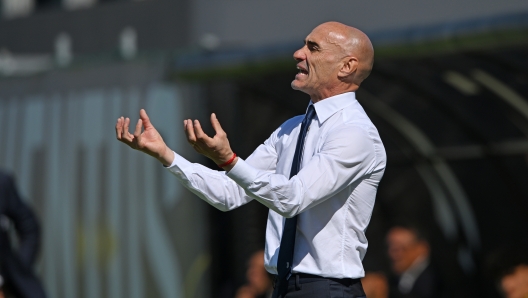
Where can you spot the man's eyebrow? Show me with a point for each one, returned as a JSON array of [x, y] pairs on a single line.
[[311, 43]]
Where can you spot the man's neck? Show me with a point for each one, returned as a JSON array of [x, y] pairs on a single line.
[[316, 97]]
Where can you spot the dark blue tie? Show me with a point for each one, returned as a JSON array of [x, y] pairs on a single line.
[[284, 262]]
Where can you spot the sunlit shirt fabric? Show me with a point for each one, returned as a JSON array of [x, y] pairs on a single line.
[[333, 193]]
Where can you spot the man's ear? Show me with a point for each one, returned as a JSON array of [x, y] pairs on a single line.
[[349, 66]]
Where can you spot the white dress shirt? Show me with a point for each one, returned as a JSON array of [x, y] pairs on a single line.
[[333, 193]]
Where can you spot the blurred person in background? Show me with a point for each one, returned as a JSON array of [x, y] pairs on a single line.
[[508, 267], [515, 283], [259, 284], [409, 253], [311, 187], [16, 264], [375, 285]]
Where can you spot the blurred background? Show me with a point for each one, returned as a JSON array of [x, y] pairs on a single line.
[[448, 93]]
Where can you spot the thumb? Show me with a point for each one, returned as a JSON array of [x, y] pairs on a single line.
[[216, 124], [145, 119]]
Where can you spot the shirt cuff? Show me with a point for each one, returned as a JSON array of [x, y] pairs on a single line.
[[243, 173], [179, 165]]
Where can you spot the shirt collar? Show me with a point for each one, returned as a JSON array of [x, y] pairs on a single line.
[[331, 105]]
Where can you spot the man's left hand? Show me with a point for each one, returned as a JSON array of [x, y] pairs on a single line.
[[216, 148]]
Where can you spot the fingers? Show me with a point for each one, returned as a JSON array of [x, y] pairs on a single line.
[[122, 133], [137, 132], [201, 136], [119, 128], [216, 125], [145, 118], [198, 132], [122, 129], [189, 131], [195, 133], [126, 135]]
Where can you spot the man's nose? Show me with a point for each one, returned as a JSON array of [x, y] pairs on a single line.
[[299, 55]]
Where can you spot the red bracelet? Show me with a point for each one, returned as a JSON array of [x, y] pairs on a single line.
[[229, 161]]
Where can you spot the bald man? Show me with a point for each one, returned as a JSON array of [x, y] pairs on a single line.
[[317, 173]]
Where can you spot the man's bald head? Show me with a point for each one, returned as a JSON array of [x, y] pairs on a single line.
[[354, 43], [335, 59]]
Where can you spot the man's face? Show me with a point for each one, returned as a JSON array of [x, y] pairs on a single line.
[[318, 62], [404, 249], [515, 285]]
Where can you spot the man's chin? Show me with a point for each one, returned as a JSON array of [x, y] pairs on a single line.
[[296, 85]]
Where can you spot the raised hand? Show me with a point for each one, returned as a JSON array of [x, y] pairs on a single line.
[[216, 148], [149, 141]]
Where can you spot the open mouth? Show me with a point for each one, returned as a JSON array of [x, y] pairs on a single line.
[[302, 70]]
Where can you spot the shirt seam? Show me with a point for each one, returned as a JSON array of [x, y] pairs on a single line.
[[344, 237], [374, 147]]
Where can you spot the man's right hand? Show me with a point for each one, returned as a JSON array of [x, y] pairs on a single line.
[[149, 141]]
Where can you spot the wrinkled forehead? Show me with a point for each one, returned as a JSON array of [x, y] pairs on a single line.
[[329, 36], [325, 38]]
